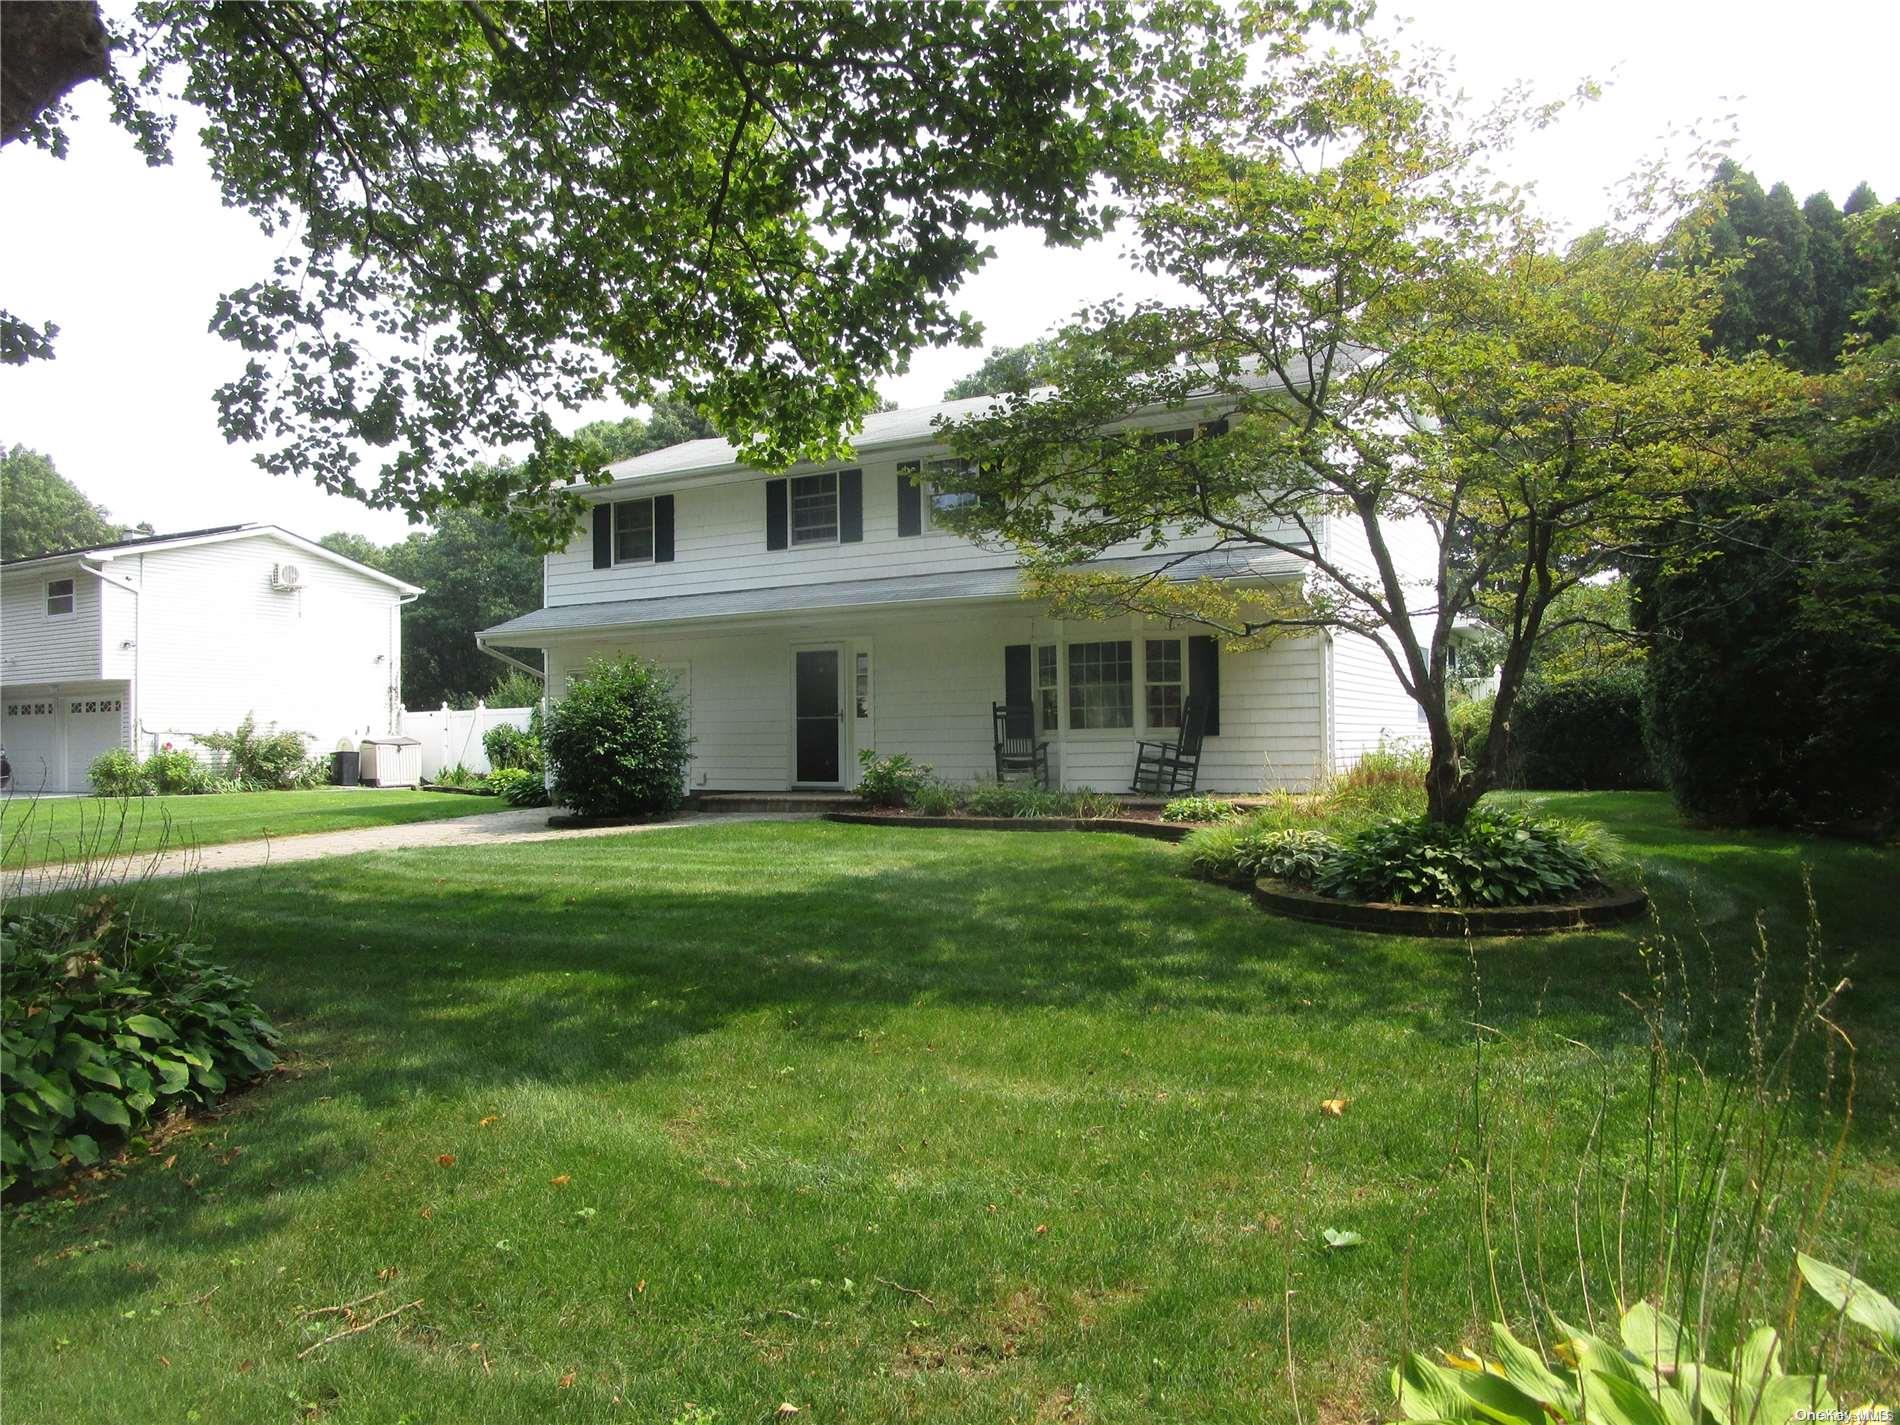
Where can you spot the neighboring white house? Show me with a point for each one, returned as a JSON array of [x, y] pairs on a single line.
[[811, 616], [161, 639]]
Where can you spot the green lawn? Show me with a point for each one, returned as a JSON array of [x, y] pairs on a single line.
[[55, 828], [891, 1125]]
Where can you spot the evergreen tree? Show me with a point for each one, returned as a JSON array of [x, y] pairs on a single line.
[[1731, 239], [1833, 291]]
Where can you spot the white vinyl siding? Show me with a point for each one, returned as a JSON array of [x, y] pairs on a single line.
[[935, 675], [37, 647], [218, 641], [719, 544]]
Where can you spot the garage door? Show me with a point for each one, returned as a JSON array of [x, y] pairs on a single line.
[[94, 724], [31, 736]]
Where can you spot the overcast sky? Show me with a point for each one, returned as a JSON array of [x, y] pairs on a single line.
[[129, 260]]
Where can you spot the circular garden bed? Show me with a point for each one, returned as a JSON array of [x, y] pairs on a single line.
[[1434, 920]]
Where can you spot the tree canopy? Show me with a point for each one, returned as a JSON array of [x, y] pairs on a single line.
[[495, 212], [478, 571], [42, 511], [1379, 334], [1006, 368]]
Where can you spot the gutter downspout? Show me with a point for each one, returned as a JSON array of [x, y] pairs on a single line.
[[511, 661]]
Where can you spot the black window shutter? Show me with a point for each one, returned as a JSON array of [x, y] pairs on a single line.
[[910, 502], [850, 506], [1016, 669], [603, 536], [777, 515], [1204, 678], [662, 529]]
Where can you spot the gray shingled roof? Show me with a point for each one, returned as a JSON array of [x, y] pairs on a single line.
[[883, 430], [1000, 582]]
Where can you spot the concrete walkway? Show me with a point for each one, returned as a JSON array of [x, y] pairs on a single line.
[[487, 829]]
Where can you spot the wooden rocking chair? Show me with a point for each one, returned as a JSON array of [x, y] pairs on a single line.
[[1018, 749], [1173, 767]]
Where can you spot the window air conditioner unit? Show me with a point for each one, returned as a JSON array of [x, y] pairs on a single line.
[[286, 576]]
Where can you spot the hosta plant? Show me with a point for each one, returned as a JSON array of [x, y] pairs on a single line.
[[1495, 858], [105, 1026], [1200, 808], [518, 787], [1654, 1376]]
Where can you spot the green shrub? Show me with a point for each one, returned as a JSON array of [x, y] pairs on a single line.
[[518, 787], [1200, 808], [1238, 853], [1582, 734], [892, 781], [460, 776], [265, 761], [618, 743], [1496, 858], [516, 690], [171, 772], [1471, 725], [1387, 781], [1016, 801], [117, 774], [934, 798], [509, 746], [104, 1026]]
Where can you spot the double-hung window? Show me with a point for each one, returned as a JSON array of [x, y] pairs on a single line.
[[1101, 685], [948, 486], [633, 531], [815, 509], [1048, 702], [59, 596], [1163, 675]]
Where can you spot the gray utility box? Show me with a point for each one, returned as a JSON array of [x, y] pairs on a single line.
[[391, 762]]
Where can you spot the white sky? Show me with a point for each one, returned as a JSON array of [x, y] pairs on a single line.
[[129, 260]]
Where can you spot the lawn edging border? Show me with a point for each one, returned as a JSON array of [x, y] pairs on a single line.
[[1128, 826], [1446, 921], [568, 821]]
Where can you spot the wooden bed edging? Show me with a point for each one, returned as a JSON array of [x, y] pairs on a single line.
[[1128, 826], [1434, 920]]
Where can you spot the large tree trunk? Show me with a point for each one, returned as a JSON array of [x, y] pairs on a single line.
[[47, 48]]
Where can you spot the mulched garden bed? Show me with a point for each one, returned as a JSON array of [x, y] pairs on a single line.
[[458, 791], [1433, 920], [568, 820], [1134, 824]]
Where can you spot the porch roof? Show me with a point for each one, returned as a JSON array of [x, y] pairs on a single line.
[[1003, 581]]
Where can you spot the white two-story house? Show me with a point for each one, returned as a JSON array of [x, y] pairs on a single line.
[[157, 640], [808, 616]]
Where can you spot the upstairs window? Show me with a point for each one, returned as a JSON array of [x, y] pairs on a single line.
[[945, 476], [1101, 685], [59, 596], [815, 509], [633, 531]]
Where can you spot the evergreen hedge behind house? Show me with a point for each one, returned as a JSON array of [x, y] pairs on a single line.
[[1582, 734]]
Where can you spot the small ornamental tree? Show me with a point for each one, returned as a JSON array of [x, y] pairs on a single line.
[[618, 744], [1399, 348]]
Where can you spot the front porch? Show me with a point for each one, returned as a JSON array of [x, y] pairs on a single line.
[[785, 706]]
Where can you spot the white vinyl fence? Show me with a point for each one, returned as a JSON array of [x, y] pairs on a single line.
[[450, 738]]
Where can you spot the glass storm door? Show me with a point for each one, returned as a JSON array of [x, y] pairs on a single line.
[[818, 709]]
